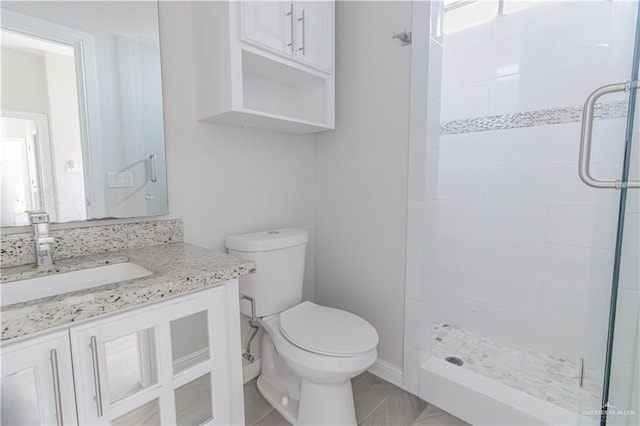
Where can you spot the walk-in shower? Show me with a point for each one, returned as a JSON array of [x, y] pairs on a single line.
[[533, 280]]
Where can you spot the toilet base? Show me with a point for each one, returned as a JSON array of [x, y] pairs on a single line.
[[322, 404], [275, 397], [319, 404]]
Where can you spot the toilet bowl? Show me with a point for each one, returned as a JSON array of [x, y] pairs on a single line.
[[308, 387], [310, 352]]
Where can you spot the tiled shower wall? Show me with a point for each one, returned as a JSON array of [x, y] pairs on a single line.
[[424, 135], [524, 249]]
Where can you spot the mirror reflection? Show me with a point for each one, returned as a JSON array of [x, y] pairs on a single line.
[[81, 126]]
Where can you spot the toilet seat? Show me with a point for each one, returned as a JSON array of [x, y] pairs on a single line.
[[327, 331]]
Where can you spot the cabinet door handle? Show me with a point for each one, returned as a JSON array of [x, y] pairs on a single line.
[[96, 375], [56, 386], [290, 15], [301, 19]]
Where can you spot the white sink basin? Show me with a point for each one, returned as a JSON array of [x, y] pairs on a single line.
[[50, 285]]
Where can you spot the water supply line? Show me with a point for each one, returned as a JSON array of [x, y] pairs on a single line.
[[253, 323]]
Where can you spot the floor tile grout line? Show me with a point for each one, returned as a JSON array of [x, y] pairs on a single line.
[[263, 417], [379, 405]]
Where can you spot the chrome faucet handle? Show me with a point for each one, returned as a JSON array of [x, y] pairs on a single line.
[[36, 217]]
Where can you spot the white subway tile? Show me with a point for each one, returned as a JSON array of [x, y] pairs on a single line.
[[565, 341], [411, 369], [542, 89], [520, 221], [586, 226], [544, 18], [420, 57], [455, 310], [436, 18], [434, 68], [417, 173], [516, 184], [415, 279], [629, 265], [430, 211], [623, 377], [431, 176], [415, 225], [469, 100], [498, 289], [433, 120], [412, 323], [608, 142], [473, 35], [580, 266], [625, 346], [418, 121], [563, 186], [577, 306], [460, 183], [511, 326]]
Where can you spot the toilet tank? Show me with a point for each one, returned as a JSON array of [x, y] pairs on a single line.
[[279, 256]]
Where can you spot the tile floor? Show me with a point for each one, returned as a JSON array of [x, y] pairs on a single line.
[[377, 403]]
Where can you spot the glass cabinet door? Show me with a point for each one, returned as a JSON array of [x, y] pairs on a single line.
[[37, 383], [164, 364]]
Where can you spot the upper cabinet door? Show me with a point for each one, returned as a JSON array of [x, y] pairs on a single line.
[[314, 34], [267, 24]]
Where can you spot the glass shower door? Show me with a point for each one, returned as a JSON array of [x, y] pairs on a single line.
[[610, 388], [620, 394]]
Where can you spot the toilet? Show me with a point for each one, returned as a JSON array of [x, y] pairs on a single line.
[[310, 352]]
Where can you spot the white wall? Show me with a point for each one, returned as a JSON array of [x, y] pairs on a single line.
[[66, 142], [524, 248], [225, 180], [361, 173], [24, 81]]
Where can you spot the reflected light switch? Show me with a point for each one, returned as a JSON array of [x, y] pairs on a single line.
[[73, 166], [120, 179]]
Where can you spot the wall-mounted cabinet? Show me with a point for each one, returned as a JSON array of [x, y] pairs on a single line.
[[265, 64]]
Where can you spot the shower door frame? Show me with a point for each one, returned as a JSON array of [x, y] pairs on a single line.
[[623, 184]]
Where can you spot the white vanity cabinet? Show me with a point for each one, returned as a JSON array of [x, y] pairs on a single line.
[[265, 64], [174, 362], [37, 382]]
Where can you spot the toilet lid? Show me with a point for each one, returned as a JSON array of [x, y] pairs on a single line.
[[327, 331]]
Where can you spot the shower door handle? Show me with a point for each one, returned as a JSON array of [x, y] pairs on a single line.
[[587, 133], [153, 166]]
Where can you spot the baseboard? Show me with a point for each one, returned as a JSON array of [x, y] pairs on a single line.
[[250, 370], [387, 371]]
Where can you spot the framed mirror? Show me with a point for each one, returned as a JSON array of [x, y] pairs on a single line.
[[82, 130]]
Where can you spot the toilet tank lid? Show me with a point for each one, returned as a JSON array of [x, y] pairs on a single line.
[[273, 239]]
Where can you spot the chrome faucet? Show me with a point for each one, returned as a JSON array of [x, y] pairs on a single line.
[[42, 239]]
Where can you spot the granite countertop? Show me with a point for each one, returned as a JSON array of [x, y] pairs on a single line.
[[177, 269]]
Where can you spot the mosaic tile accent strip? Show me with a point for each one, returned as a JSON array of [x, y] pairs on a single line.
[[17, 249], [546, 377], [540, 117]]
